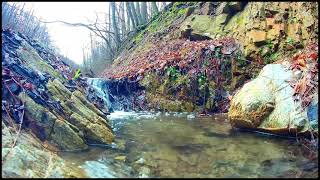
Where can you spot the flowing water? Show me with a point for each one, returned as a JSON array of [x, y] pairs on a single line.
[[182, 145]]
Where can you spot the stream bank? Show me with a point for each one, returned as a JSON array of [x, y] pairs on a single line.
[[43, 116]]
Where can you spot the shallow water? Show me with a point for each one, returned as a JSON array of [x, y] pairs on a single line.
[[179, 145]]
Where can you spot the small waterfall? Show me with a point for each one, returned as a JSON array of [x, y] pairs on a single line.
[[118, 95], [102, 90]]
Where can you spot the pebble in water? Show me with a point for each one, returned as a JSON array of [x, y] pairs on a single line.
[[140, 161], [144, 172], [191, 116]]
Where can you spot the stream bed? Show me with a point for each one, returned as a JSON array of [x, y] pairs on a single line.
[[150, 144]]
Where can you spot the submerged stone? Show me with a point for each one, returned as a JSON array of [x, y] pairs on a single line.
[[96, 169]]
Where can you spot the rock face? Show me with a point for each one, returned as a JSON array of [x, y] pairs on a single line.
[[267, 31], [71, 121], [82, 114], [267, 103], [48, 126], [37, 96], [256, 24], [28, 158]]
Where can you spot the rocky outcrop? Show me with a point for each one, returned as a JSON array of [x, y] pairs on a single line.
[[48, 126], [266, 32], [51, 112], [28, 158], [268, 103], [258, 24], [89, 120], [78, 122]]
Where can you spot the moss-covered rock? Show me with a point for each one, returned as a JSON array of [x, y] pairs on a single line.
[[260, 28], [29, 159], [65, 137], [82, 120], [32, 60], [47, 126], [151, 81], [81, 113], [57, 90]]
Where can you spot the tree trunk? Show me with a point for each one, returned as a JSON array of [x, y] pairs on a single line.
[[144, 12], [129, 9], [134, 13], [128, 19], [114, 23], [123, 23], [109, 25], [138, 10], [149, 10], [163, 4], [155, 9]]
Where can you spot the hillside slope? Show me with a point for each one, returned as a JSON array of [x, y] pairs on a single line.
[[262, 33]]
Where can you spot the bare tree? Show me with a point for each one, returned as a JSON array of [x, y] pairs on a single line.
[[138, 11], [123, 23], [144, 12], [128, 20], [155, 9], [163, 4], [18, 19], [129, 9], [114, 23], [109, 25], [149, 12], [134, 13]]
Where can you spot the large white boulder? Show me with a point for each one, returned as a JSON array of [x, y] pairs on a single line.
[[267, 103]]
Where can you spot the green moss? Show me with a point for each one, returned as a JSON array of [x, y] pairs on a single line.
[[35, 62], [210, 104], [54, 129], [66, 138], [139, 37], [151, 82], [182, 80], [187, 107], [240, 20], [38, 114], [172, 106], [161, 21], [271, 57], [290, 41], [58, 91], [173, 73]]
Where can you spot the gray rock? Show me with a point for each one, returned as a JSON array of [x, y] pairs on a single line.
[[235, 6], [29, 160], [95, 169], [144, 172], [267, 102]]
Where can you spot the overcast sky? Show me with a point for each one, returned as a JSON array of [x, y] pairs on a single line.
[[68, 39]]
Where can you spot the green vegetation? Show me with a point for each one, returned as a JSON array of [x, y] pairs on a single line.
[[271, 57], [162, 20], [268, 53], [172, 73], [290, 41], [202, 81]]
